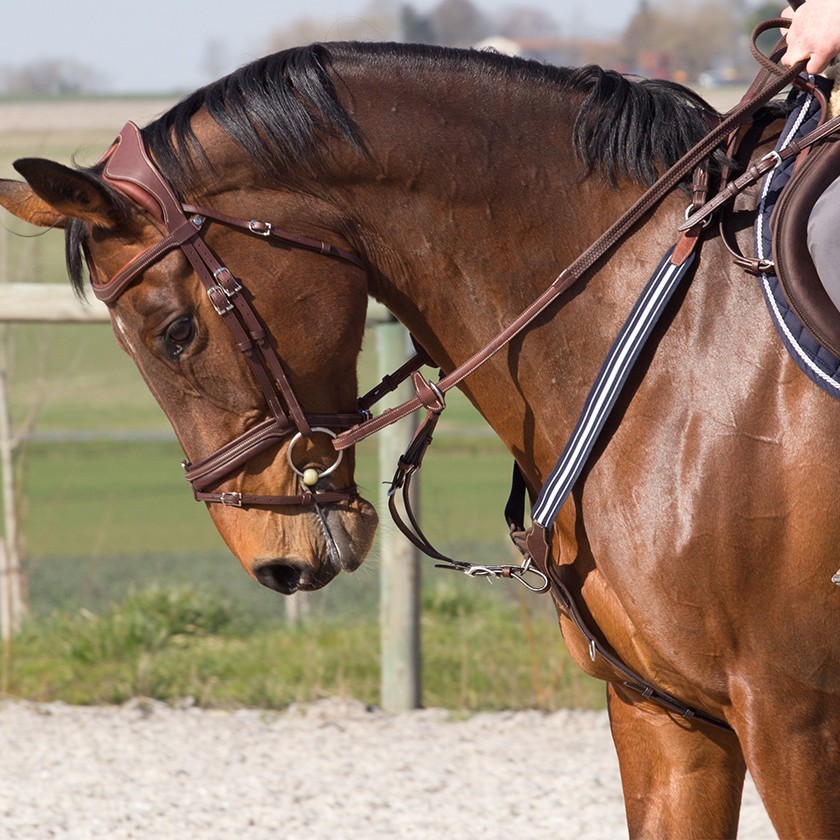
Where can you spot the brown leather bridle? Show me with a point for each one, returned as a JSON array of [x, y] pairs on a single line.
[[129, 170]]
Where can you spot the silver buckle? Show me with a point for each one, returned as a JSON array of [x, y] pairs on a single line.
[[220, 300], [231, 499], [259, 228], [236, 287], [689, 211], [774, 156]]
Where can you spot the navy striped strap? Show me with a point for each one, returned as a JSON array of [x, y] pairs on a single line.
[[608, 384]]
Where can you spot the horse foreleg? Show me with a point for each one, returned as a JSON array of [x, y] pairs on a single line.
[[792, 750], [679, 780]]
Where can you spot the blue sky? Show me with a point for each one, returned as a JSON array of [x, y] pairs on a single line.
[[164, 45]]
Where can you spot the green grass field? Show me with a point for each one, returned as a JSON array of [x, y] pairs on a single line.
[[107, 518]]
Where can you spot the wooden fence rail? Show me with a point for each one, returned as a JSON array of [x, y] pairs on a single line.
[[51, 302]]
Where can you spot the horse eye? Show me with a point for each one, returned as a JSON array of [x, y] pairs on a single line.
[[178, 335]]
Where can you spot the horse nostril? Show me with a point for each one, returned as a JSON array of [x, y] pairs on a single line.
[[279, 576]]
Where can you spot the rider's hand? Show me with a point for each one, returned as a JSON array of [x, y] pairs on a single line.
[[814, 34]]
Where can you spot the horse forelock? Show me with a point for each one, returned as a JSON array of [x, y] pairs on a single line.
[[74, 235]]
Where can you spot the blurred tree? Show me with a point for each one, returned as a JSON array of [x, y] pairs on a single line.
[[460, 23], [380, 21], [640, 35], [415, 27], [689, 39], [59, 76]]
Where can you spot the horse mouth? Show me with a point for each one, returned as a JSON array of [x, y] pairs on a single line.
[[290, 575], [339, 545]]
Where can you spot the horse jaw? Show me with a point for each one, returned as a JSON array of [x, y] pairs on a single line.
[[303, 550]]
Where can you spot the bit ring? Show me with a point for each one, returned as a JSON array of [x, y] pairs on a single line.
[[321, 473]]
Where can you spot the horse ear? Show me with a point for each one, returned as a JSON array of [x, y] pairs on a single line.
[[20, 200], [55, 193]]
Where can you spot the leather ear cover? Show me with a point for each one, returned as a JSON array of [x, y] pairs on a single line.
[[129, 170], [796, 271]]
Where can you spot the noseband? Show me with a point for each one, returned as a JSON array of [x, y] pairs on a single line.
[[129, 170]]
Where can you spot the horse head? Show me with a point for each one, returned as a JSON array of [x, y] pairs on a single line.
[[255, 376]]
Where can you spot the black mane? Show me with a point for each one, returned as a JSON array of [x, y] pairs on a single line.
[[280, 109]]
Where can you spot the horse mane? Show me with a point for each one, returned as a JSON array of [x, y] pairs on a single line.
[[281, 108], [636, 129]]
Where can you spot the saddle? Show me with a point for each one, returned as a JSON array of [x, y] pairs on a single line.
[[804, 163], [794, 268]]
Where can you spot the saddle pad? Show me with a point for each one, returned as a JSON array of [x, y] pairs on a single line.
[[819, 364]]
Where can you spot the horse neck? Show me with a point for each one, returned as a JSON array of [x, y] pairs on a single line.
[[475, 204]]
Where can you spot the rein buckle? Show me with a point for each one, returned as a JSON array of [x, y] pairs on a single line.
[[259, 228], [226, 281]]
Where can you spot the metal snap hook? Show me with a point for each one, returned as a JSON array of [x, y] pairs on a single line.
[[310, 476]]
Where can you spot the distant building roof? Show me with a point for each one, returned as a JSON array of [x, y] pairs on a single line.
[[501, 44], [562, 51]]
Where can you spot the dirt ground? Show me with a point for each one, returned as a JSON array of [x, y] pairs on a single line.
[[331, 770]]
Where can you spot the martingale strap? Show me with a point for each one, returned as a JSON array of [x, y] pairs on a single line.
[[537, 572], [602, 397], [608, 385], [597, 408]]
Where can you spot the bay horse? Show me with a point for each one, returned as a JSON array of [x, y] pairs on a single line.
[[453, 186]]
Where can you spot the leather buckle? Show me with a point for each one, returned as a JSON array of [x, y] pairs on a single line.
[[259, 228], [227, 282]]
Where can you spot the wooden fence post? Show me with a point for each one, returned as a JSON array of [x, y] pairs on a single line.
[[400, 562], [12, 607], [24, 302], [12, 601]]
